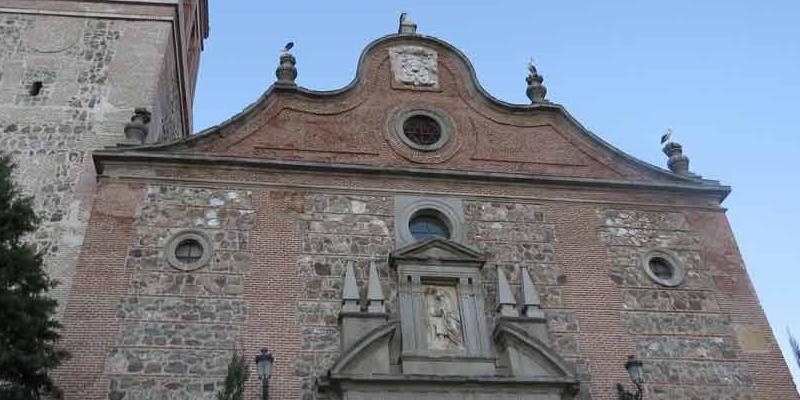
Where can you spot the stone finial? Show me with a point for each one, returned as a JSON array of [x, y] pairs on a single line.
[[375, 298], [677, 162], [531, 306], [506, 304], [136, 131], [536, 91], [350, 296], [406, 25], [286, 71]]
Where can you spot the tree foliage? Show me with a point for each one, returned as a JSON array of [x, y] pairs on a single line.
[[795, 348], [235, 379], [28, 332]]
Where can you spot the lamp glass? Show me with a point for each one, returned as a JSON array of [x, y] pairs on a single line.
[[264, 366], [634, 368]]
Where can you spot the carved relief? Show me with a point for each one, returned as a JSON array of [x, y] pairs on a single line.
[[414, 66], [443, 318]]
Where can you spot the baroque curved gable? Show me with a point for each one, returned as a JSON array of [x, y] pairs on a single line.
[[361, 124]]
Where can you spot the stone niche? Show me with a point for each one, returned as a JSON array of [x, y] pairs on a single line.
[[442, 346]]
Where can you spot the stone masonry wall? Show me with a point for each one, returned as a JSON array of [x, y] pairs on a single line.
[[687, 344], [178, 328], [336, 228], [516, 235], [94, 72]]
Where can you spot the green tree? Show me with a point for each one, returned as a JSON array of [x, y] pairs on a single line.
[[235, 379], [28, 332], [795, 347]]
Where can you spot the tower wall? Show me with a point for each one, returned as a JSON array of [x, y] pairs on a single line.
[[71, 74]]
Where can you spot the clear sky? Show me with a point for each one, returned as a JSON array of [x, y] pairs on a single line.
[[725, 75]]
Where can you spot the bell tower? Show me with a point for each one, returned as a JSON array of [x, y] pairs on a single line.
[[72, 73]]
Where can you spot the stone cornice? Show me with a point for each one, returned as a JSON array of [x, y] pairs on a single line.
[[104, 157]]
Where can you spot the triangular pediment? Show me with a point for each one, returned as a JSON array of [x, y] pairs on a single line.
[[438, 250]]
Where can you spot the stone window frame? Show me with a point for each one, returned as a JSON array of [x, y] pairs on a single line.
[[445, 128], [406, 207], [678, 270], [189, 234]]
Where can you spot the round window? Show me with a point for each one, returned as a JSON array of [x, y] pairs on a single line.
[[663, 268], [428, 223], [422, 130], [188, 250]]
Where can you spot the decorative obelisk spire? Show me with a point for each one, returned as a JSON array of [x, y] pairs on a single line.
[[536, 91], [375, 298], [506, 304], [531, 306], [677, 162], [286, 71], [350, 296]]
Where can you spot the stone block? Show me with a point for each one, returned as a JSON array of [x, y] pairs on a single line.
[[504, 231], [168, 334], [499, 211], [129, 387], [669, 300], [696, 373], [644, 219], [182, 309], [667, 392], [710, 348], [350, 204], [678, 323]]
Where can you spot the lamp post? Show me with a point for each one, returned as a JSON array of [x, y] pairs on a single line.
[[264, 363], [634, 368]]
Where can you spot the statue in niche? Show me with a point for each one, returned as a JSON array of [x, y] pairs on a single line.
[[444, 321]]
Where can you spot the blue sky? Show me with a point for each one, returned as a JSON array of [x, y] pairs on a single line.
[[725, 75]]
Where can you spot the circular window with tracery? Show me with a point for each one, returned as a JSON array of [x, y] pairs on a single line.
[[189, 250], [422, 130], [663, 268], [426, 224]]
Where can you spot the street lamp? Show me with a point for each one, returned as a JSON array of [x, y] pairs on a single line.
[[264, 364], [634, 368]]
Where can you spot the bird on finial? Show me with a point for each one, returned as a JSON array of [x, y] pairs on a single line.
[[531, 67], [535, 91], [403, 17], [288, 47], [665, 137]]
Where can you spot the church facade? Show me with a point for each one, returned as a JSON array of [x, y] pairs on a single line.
[[406, 236]]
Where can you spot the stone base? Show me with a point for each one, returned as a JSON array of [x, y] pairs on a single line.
[[468, 366]]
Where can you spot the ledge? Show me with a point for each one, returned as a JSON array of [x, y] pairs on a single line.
[[103, 157]]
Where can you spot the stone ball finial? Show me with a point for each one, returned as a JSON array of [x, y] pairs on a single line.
[[136, 131], [286, 71], [536, 90], [406, 25]]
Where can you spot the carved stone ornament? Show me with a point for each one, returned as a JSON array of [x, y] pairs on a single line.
[[443, 317], [442, 347], [414, 67]]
